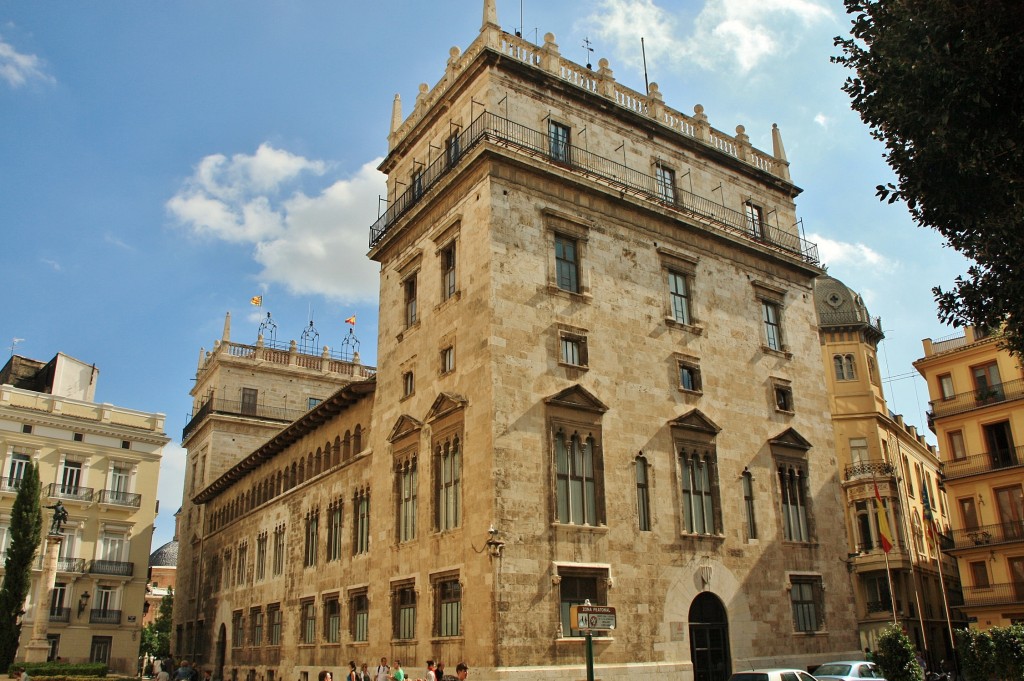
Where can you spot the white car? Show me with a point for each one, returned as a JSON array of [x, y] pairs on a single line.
[[772, 675], [848, 670]]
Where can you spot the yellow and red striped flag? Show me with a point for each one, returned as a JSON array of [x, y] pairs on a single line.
[[885, 534], [351, 320], [257, 301]]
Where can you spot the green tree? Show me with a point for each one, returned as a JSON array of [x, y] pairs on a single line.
[[896, 656], [26, 532], [977, 654], [156, 636], [1009, 651], [939, 83]]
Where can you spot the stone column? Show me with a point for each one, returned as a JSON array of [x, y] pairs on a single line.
[[38, 647]]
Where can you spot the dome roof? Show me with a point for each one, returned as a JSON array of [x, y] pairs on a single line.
[[839, 305], [165, 556]]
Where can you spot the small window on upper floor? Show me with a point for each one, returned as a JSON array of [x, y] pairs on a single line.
[[567, 265], [312, 402], [771, 316], [126, 444], [408, 384], [409, 289], [946, 386], [783, 393], [448, 360], [755, 220], [26, 428], [665, 183], [844, 367], [689, 375], [448, 283], [559, 140], [572, 349]]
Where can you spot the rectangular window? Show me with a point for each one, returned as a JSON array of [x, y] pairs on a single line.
[[559, 138], [448, 485], [643, 498], [71, 478], [308, 622], [361, 528], [312, 538], [748, 504], [946, 386], [699, 489], [577, 463], [447, 606], [448, 360], [689, 376], [261, 556], [279, 550], [979, 574], [237, 631], [987, 382], [755, 220], [250, 396], [409, 287], [566, 264], [858, 451], [572, 349], [256, 624], [806, 598], [312, 402], [403, 598], [679, 296], [19, 462], [665, 179], [793, 498], [332, 619], [452, 149], [576, 587], [772, 325], [408, 384], [99, 650], [417, 184], [275, 617], [783, 396], [448, 271], [359, 609], [57, 598], [334, 525], [406, 483], [844, 367], [969, 513]]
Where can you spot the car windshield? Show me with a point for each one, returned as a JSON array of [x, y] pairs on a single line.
[[748, 676], [832, 670]]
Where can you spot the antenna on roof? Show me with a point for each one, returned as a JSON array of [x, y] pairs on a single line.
[[14, 344], [643, 51], [519, 33], [589, 49]]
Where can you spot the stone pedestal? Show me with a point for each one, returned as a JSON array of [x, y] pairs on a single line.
[[38, 647]]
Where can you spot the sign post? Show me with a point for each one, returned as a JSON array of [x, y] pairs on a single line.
[[588, 618]]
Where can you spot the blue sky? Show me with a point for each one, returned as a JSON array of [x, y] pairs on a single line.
[[161, 163]]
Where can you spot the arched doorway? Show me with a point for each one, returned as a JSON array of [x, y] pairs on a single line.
[[709, 639], [222, 644]]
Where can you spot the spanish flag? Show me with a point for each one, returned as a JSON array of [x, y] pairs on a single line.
[[257, 301], [351, 320], [885, 534]]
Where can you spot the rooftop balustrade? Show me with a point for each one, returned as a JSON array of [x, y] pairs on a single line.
[[518, 138]]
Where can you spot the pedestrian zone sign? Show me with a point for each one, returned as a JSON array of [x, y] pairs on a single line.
[[600, 617]]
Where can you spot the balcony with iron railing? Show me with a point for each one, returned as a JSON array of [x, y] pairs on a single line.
[[60, 614], [104, 616], [520, 139], [994, 594], [71, 565], [989, 535], [977, 398], [9, 484], [983, 463], [216, 405], [118, 498], [58, 490], [112, 567], [869, 470]]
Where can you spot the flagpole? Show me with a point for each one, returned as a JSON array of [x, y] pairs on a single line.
[[879, 510], [892, 592], [908, 529], [945, 602]]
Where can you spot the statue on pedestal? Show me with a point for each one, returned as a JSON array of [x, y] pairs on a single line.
[[60, 516]]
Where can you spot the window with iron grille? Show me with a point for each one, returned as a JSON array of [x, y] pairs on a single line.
[[237, 631], [448, 482], [275, 617], [447, 605], [308, 609], [576, 586], [312, 538], [279, 550], [806, 596], [256, 627], [334, 525], [359, 615], [261, 555], [332, 619]]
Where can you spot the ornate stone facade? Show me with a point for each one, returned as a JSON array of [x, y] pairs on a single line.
[[594, 384]]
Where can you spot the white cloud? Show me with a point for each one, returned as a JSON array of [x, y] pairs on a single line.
[[855, 256], [726, 33], [822, 120], [115, 241], [54, 265], [17, 68], [309, 242]]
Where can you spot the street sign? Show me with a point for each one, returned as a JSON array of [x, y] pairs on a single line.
[[600, 617]]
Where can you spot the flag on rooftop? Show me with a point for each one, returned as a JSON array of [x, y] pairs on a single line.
[[257, 301], [351, 320]]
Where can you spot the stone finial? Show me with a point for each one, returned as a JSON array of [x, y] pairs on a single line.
[[605, 78], [490, 14], [655, 102], [424, 89], [549, 57], [700, 121], [227, 327], [742, 143], [396, 113], [202, 357], [453, 54], [779, 152]]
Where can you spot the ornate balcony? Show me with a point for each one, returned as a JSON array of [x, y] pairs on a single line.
[[983, 463], [869, 469], [977, 398], [60, 614], [116, 498], [986, 535], [104, 616], [71, 565], [111, 567], [520, 139], [56, 490], [994, 594]]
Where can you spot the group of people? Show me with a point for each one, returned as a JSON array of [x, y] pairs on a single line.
[[385, 672], [165, 670]]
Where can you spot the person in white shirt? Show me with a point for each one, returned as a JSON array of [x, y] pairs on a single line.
[[383, 670]]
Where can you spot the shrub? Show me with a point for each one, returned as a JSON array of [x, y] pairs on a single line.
[[896, 656]]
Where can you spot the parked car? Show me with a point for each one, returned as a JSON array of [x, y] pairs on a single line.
[[848, 670], [772, 675]]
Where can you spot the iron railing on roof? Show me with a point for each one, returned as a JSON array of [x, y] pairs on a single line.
[[239, 408], [521, 139]]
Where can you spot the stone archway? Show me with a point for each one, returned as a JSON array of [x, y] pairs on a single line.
[[709, 638], [222, 644]]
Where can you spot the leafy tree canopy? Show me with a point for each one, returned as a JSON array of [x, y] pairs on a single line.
[[940, 83]]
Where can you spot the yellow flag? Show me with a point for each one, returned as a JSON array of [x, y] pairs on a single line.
[[257, 301], [351, 320]]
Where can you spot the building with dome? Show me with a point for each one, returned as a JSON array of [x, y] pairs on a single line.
[[882, 460], [163, 571]]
